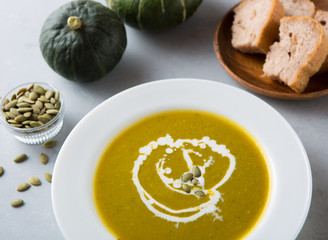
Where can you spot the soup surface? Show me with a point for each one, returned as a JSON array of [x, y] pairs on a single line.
[[181, 174]]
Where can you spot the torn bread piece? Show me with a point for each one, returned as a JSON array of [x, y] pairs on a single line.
[[299, 54], [322, 17], [305, 8], [256, 25]]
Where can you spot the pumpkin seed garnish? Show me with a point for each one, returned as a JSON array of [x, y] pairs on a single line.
[[23, 187], [186, 177], [196, 171], [43, 158], [29, 104], [48, 177], [49, 144], [1, 171], [199, 193], [186, 188], [17, 203], [194, 181], [20, 158], [34, 181]]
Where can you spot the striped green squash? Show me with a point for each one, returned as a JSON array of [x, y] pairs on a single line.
[[83, 40], [154, 15]]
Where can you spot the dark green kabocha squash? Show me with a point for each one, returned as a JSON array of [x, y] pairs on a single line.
[[83, 40], [154, 15]]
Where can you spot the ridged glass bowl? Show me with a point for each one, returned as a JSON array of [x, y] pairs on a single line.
[[34, 135]]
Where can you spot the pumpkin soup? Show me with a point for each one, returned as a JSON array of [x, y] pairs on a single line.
[[181, 174]]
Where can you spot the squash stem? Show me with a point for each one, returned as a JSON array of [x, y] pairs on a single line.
[[74, 23]]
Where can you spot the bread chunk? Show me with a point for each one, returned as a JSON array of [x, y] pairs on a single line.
[[305, 8], [299, 54], [322, 17], [256, 25]]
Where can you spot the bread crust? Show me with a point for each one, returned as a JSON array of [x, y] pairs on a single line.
[[318, 16], [313, 62], [269, 32]]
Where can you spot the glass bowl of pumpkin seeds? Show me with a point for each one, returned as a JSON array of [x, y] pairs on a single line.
[[33, 112]]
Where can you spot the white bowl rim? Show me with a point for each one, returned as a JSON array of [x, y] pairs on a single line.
[[290, 195]]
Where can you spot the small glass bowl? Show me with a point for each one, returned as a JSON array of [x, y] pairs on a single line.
[[36, 135]]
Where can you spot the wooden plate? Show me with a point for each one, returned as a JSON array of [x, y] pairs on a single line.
[[246, 69]]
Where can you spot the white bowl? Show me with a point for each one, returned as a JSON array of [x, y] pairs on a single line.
[[76, 163]]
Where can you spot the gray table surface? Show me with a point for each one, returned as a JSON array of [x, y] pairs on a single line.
[[186, 51]]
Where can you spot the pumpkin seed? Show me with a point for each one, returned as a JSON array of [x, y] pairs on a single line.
[[30, 87], [5, 115], [27, 100], [34, 124], [49, 106], [34, 181], [43, 99], [186, 188], [57, 105], [1, 171], [11, 115], [13, 97], [199, 193], [186, 177], [12, 121], [20, 95], [23, 187], [10, 104], [52, 111], [6, 102], [27, 94], [17, 125], [43, 158], [39, 104], [23, 104], [25, 109], [49, 94], [14, 111], [44, 118], [20, 158], [196, 171], [48, 177], [49, 144], [38, 89], [20, 118], [22, 90], [52, 100], [194, 181], [17, 203], [33, 96], [43, 111], [57, 96], [27, 114]]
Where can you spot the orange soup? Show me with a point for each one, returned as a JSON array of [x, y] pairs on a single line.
[[182, 174]]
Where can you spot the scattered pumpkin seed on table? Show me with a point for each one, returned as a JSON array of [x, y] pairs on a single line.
[[43, 158], [48, 177], [34, 181], [20, 158], [23, 187], [17, 203]]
